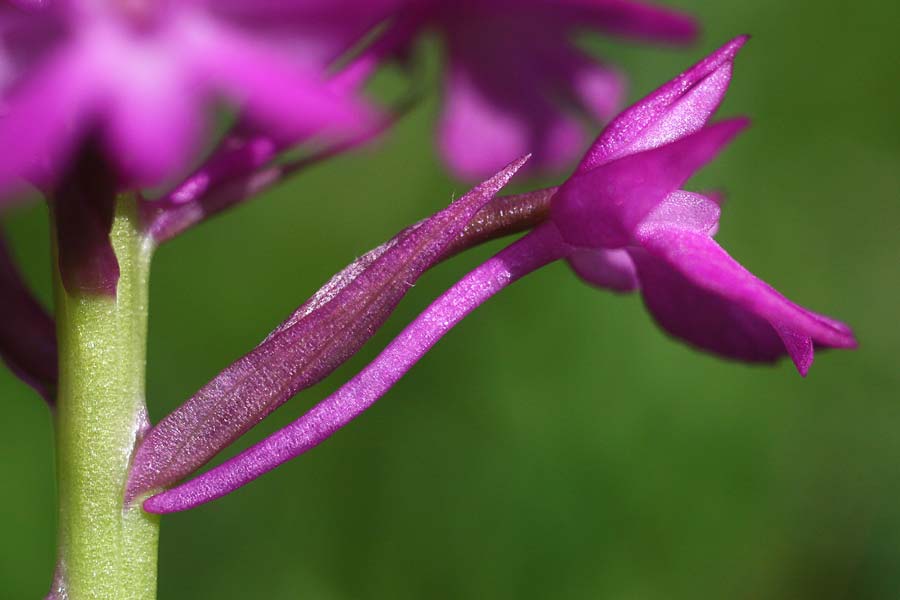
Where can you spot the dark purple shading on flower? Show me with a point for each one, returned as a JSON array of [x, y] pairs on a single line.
[[623, 204], [321, 335], [515, 81], [139, 76], [27, 333], [83, 206]]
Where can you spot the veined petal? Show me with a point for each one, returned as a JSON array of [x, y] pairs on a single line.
[[686, 210], [676, 109], [602, 207], [27, 333], [322, 334], [727, 291]]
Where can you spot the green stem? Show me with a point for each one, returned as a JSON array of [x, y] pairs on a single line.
[[106, 549]]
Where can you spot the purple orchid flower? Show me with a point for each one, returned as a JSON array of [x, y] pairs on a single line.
[[101, 96], [515, 81], [138, 77], [622, 220]]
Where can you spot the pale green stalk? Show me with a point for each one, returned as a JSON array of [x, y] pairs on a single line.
[[106, 549]]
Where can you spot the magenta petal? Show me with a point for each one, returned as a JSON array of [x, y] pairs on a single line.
[[687, 210], [541, 246], [322, 334], [43, 120], [602, 207], [799, 348], [487, 121], [702, 318], [27, 333], [702, 262], [315, 31], [634, 19], [609, 269], [678, 108], [154, 125], [275, 94]]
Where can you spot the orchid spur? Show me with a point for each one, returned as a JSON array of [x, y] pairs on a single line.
[[622, 217]]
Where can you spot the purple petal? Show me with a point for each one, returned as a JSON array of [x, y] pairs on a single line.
[[314, 31], [274, 93], [799, 348], [490, 116], [609, 269], [634, 19], [687, 210], [27, 333], [727, 291], [602, 207], [322, 334], [44, 119], [676, 109], [154, 117], [543, 245], [703, 319]]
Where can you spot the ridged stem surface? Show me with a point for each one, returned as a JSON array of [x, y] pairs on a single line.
[[105, 548]]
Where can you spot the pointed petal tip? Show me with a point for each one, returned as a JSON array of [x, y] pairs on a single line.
[[502, 177], [737, 43], [728, 129], [719, 196]]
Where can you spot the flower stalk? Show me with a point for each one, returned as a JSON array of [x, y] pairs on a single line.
[[106, 548]]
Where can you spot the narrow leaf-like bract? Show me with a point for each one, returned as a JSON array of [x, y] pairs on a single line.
[[540, 247], [322, 334], [27, 333]]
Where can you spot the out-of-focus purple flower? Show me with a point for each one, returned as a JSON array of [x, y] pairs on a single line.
[[317, 32], [515, 81], [622, 221], [27, 333], [322, 334], [138, 76]]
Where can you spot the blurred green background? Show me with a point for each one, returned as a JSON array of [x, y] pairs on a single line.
[[557, 444]]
